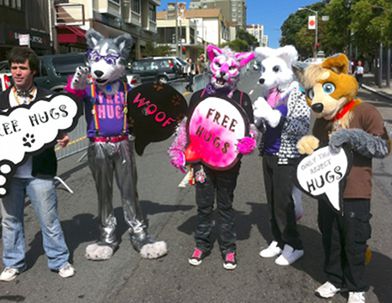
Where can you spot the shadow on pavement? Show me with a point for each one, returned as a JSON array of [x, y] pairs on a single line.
[[83, 228]]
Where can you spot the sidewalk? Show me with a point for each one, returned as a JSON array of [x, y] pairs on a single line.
[[370, 85]]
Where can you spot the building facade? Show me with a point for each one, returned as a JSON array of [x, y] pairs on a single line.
[[25, 22], [196, 28], [109, 17], [232, 10], [257, 30]]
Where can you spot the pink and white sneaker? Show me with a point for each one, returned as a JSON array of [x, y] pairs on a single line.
[[230, 261]]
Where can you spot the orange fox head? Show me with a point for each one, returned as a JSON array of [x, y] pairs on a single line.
[[328, 85]]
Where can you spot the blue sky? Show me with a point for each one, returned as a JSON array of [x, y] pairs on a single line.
[[270, 13]]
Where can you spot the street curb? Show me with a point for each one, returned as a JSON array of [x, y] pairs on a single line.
[[382, 94]]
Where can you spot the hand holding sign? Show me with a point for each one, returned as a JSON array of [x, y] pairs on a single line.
[[27, 129], [322, 173], [214, 128]]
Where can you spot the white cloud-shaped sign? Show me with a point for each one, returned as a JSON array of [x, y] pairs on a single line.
[[321, 173], [27, 129]]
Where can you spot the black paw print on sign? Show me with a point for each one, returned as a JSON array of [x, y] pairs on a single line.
[[158, 86], [176, 100], [28, 140]]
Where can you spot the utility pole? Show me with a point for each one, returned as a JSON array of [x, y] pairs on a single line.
[[177, 51], [315, 29]]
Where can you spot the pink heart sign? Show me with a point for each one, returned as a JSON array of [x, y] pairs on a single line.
[[214, 128]]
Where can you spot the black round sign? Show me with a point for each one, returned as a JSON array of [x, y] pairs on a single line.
[[154, 111]]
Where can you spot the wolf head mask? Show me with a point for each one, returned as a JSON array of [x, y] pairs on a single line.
[[107, 57]]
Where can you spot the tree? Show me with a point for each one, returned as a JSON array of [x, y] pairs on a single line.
[[359, 25], [151, 51], [295, 31], [250, 40], [237, 45]]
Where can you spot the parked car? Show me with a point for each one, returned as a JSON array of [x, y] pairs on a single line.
[[54, 69], [179, 63], [160, 69], [132, 79]]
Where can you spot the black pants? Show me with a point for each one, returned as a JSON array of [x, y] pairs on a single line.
[[359, 78], [188, 87], [279, 183], [221, 184], [344, 240]]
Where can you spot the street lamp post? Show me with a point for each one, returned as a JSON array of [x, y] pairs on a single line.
[[315, 29]]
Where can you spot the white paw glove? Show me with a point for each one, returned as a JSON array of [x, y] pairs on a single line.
[[79, 80], [262, 110]]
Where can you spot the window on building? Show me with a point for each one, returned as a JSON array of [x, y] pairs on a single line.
[[19, 4], [115, 1], [135, 6], [152, 12], [6, 2]]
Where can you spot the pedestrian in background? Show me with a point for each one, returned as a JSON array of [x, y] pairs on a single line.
[[201, 64], [190, 73], [34, 178], [359, 71]]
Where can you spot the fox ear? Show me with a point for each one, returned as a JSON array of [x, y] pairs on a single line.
[[339, 63], [93, 37], [244, 58], [213, 51]]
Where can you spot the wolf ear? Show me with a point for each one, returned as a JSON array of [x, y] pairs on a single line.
[[263, 52], [244, 58], [338, 63], [213, 51], [93, 37], [288, 53], [124, 43]]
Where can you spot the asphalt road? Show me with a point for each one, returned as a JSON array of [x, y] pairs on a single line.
[[171, 212]]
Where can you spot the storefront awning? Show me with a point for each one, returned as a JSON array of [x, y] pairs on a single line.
[[70, 34]]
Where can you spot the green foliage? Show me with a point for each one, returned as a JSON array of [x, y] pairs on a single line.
[[353, 24], [237, 45], [295, 30], [248, 38], [151, 51]]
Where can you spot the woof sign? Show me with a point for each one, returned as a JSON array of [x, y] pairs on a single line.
[[28, 129], [154, 111], [214, 128], [321, 174]]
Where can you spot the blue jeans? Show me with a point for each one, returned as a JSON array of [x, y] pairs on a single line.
[[43, 198]]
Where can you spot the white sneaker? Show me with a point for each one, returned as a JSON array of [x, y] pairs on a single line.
[[271, 251], [66, 271], [289, 255], [9, 274], [356, 297], [327, 290]]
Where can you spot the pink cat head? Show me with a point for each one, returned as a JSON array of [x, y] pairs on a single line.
[[225, 66]]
